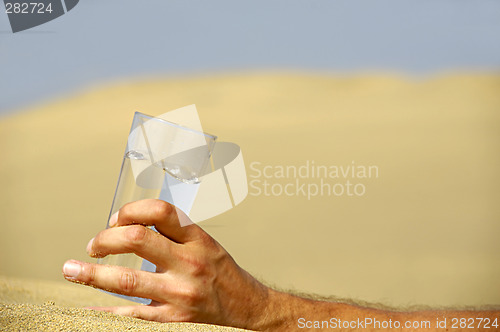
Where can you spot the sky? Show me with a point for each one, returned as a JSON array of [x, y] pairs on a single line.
[[108, 40]]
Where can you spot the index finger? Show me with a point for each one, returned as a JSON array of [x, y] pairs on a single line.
[[167, 219]]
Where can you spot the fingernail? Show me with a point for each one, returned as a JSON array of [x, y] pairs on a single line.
[[89, 245], [114, 219], [72, 269]]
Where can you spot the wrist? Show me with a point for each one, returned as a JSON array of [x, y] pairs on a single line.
[[275, 314], [284, 311]]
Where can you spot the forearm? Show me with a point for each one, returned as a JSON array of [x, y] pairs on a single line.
[[198, 281], [287, 312]]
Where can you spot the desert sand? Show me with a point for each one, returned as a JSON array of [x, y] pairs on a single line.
[[424, 232], [38, 305]]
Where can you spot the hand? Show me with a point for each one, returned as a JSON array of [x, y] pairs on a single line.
[[196, 279]]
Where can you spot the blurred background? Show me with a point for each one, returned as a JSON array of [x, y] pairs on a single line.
[[412, 87]]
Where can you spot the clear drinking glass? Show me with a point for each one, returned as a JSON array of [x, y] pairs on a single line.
[[159, 154]]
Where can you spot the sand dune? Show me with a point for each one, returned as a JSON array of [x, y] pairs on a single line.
[[424, 232]]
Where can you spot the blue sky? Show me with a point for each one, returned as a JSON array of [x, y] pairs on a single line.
[[106, 40]]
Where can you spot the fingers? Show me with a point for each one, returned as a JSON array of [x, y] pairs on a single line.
[[136, 239], [166, 218], [151, 312], [116, 279], [142, 312]]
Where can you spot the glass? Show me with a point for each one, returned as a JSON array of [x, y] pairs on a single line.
[[159, 155]]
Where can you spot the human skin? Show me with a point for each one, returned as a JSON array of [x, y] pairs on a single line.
[[198, 281]]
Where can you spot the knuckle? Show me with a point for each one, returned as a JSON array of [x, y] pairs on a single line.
[[134, 313], [125, 211], [127, 282], [196, 266], [207, 240], [162, 210], [88, 274], [191, 295], [136, 236], [211, 248]]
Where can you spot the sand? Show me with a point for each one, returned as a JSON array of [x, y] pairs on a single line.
[[49, 317], [424, 233], [35, 305]]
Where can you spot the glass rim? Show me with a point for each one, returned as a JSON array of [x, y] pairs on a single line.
[[170, 123]]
